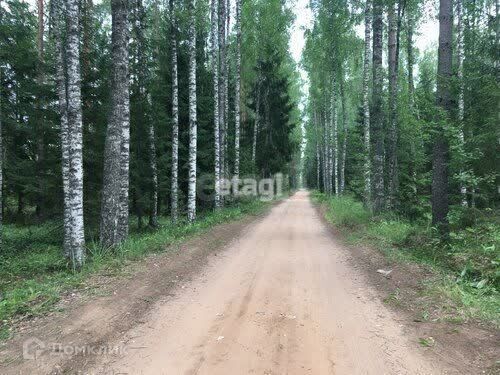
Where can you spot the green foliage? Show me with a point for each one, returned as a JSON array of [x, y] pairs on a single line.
[[32, 279], [468, 262]]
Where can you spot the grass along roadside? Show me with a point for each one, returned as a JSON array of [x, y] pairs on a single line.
[[467, 266], [34, 277]]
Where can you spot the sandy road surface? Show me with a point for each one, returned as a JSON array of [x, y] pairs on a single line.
[[281, 300]]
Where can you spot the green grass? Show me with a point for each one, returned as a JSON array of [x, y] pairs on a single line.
[[467, 263], [34, 274]]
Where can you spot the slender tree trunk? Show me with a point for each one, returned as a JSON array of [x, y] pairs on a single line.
[[366, 107], [61, 85], [256, 125], [393, 44], [226, 92], [192, 112], [222, 85], [114, 207], [40, 120], [410, 58], [440, 150], [335, 136], [175, 115], [377, 118], [74, 105], [318, 161], [344, 141], [237, 92], [142, 79], [1, 154], [153, 210], [460, 76], [215, 77]]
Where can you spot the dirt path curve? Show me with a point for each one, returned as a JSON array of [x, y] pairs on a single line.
[[281, 300]]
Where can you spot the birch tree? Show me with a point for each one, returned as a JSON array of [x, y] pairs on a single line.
[[69, 92], [366, 106], [222, 85], [114, 206], [237, 89], [174, 194], [192, 112], [214, 35]]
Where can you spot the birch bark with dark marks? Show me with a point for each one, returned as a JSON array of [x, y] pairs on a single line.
[[214, 35], [192, 112], [114, 206], [366, 107], [222, 85], [174, 194], [58, 24], [74, 134], [237, 89]]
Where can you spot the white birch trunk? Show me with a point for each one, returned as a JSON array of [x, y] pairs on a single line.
[[237, 92], [215, 77], [335, 137], [75, 136], [58, 25], [366, 106], [114, 206], [192, 112], [222, 85], [174, 194], [256, 125], [153, 218], [344, 141]]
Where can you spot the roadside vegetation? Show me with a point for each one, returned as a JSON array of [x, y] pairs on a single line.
[[467, 263], [34, 275]]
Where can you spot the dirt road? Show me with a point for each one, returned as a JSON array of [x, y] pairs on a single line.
[[281, 300]]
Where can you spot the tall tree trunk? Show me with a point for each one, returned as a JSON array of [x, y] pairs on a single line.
[[344, 140], [440, 149], [215, 77], [318, 161], [40, 133], [256, 125], [329, 143], [366, 107], [61, 85], [114, 207], [192, 112], [142, 80], [377, 118], [335, 136], [222, 85], [174, 194], [237, 98], [226, 92], [393, 46], [410, 58], [1, 154], [460, 76], [74, 105]]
